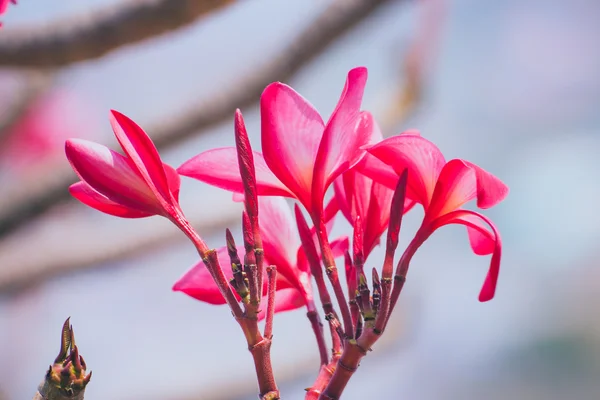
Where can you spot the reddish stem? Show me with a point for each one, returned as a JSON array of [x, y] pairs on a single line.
[[317, 326], [325, 374], [332, 273], [272, 282], [259, 346]]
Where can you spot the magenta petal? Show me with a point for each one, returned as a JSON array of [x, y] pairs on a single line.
[[219, 167], [174, 180], [285, 300], [465, 217], [490, 189], [291, 132], [112, 175], [280, 238], [422, 158], [339, 246], [377, 216], [460, 182], [199, 284], [138, 146], [88, 196], [346, 132]]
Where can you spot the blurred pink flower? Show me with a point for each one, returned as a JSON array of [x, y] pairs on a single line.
[[38, 136]]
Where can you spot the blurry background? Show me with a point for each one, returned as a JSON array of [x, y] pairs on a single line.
[[513, 86]]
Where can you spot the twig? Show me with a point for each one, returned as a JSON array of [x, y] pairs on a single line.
[[100, 32], [34, 198], [21, 270]]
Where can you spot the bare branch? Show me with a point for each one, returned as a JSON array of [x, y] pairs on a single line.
[[34, 198], [80, 248], [94, 35]]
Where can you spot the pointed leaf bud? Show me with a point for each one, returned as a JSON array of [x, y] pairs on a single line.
[[246, 164], [67, 377], [396, 213]]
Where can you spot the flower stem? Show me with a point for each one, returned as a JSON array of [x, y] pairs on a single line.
[[332, 273], [47, 391], [325, 374], [317, 326], [272, 282], [259, 346]]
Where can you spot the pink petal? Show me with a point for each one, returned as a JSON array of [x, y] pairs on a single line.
[[88, 196], [465, 217], [460, 182], [174, 180], [339, 246], [291, 132], [331, 210], [377, 216], [3, 6], [198, 283], [285, 300], [346, 132], [490, 189], [280, 238], [422, 158], [219, 167], [138, 146], [112, 175]]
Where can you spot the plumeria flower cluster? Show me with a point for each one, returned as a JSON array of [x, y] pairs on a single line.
[[371, 181]]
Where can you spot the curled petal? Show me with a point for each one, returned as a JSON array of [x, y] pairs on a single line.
[[219, 167], [139, 148], [291, 132], [346, 132], [461, 181], [112, 175], [199, 284], [466, 217], [422, 158], [285, 300], [88, 196]]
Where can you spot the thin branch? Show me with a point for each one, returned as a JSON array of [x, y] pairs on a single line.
[[53, 258], [100, 32], [34, 198]]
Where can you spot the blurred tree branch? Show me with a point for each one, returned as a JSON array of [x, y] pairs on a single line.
[[22, 269], [100, 32], [31, 199]]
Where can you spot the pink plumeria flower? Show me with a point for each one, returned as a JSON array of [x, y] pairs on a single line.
[[135, 185], [442, 188], [301, 155], [360, 196], [281, 248]]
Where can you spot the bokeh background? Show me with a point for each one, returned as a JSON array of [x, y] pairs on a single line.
[[513, 86]]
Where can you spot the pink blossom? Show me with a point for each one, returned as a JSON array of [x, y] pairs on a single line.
[[442, 188], [135, 185]]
